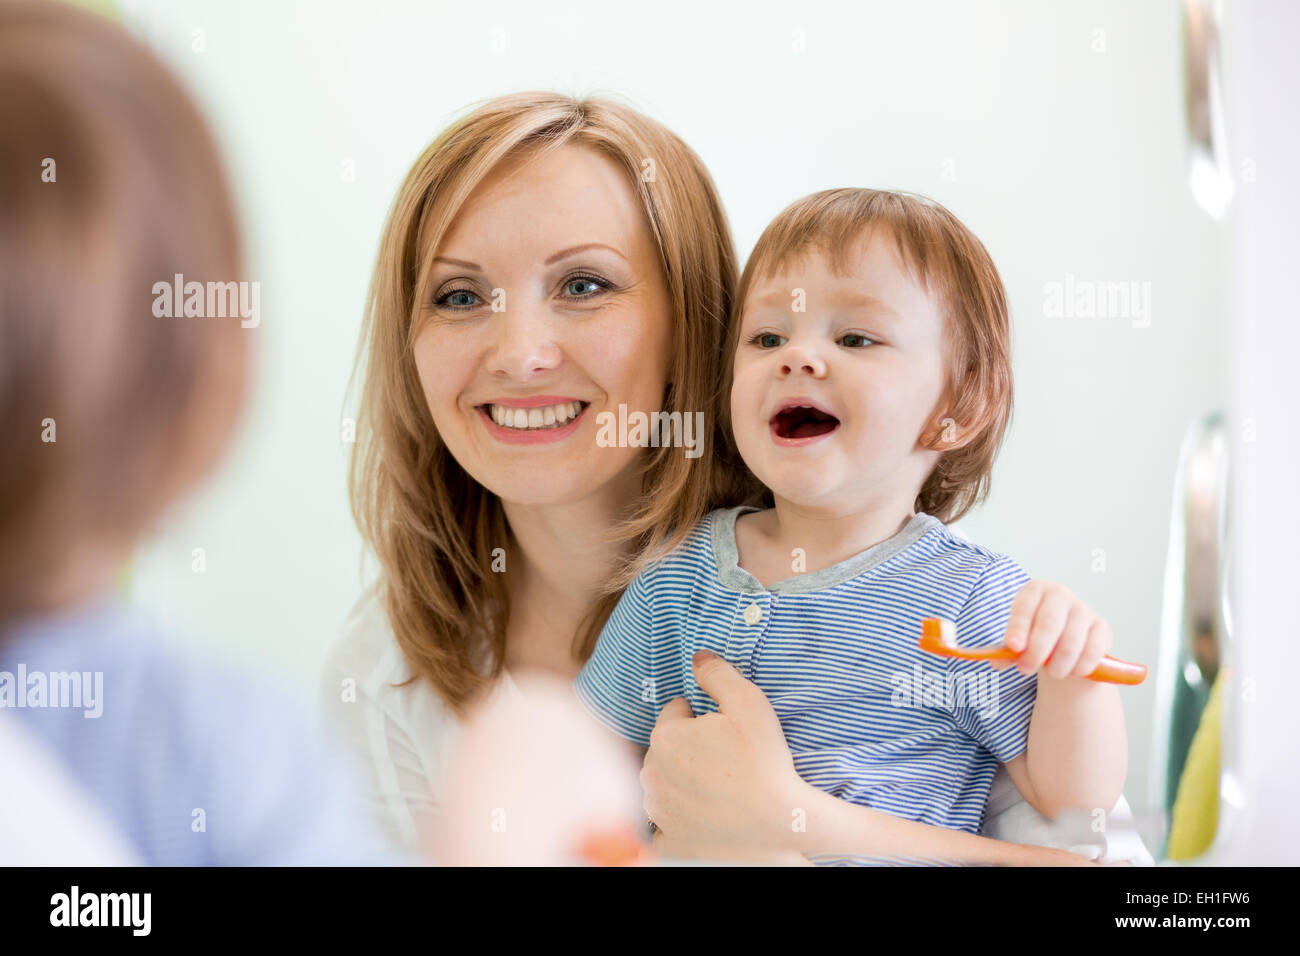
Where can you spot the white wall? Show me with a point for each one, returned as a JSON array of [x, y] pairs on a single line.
[[1064, 157], [1259, 785]]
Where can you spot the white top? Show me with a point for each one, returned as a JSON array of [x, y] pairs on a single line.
[[408, 737]]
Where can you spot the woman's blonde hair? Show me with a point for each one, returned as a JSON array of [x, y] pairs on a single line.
[[431, 525]]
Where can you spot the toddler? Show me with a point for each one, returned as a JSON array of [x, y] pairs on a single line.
[[869, 389]]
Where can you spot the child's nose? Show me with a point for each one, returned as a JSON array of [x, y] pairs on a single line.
[[798, 358]]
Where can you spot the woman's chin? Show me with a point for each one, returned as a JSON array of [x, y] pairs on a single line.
[[537, 487]]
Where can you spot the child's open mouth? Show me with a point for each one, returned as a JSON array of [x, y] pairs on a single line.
[[799, 422]]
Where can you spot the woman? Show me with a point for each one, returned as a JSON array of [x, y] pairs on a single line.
[[546, 260]]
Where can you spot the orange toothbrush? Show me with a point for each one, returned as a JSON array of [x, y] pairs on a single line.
[[940, 637], [618, 846]]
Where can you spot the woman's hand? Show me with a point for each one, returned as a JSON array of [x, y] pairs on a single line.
[[723, 785]]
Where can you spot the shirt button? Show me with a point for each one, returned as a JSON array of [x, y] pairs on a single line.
[[753, 614]]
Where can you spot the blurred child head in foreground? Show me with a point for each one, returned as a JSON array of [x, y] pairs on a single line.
[[109, 184]]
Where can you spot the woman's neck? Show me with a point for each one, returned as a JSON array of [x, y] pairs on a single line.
[[555, 570]]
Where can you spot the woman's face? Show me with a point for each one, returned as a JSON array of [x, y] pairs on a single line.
[[544, 307]]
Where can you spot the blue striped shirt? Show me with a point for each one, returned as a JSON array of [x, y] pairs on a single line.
[[868, 715]]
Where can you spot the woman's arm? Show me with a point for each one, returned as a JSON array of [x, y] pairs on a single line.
[[839, 828], [724, 786]]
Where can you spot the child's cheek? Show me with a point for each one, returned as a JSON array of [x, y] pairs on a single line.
[[745, 400], [884, 417], [746, 405]]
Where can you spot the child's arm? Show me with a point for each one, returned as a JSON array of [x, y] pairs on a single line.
[[630, 673], [1061, 737], [1077, 754]]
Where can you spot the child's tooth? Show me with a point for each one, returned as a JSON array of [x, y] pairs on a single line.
[[548, 416]]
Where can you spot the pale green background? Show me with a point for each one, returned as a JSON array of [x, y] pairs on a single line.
[[1066, 160]]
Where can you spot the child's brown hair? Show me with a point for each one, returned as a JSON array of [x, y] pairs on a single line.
[[946, 259], [109, 183]]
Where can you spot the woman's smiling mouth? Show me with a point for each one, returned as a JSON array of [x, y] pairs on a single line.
[[528, 421]]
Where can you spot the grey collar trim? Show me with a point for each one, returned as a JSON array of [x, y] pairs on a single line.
[[732, 575]]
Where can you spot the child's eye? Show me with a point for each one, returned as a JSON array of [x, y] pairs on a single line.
[[766, 340], [457, 300], [584, 286], [855, 340]]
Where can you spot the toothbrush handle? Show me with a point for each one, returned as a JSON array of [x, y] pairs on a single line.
[[1112, 670]]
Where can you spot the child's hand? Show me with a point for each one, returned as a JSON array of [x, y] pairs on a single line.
[[1049, 624]]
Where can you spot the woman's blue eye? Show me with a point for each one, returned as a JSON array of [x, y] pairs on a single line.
[[581, 286], [458, 299], [858, 342]]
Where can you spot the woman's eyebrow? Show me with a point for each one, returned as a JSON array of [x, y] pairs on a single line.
[[574, 250], [460, 263], [563, 254]]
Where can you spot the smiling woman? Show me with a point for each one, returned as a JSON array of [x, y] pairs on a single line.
[[547, 261], [607, 344]]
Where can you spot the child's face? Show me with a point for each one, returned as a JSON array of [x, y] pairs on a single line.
[[868, 351]]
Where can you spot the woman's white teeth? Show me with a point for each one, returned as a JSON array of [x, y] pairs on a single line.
[[550, 416]]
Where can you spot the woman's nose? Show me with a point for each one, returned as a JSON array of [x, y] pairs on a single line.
[[524, 344]]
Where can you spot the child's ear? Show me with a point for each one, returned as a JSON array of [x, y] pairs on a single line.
[[946, 433], [943, 433], [959, 417]]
